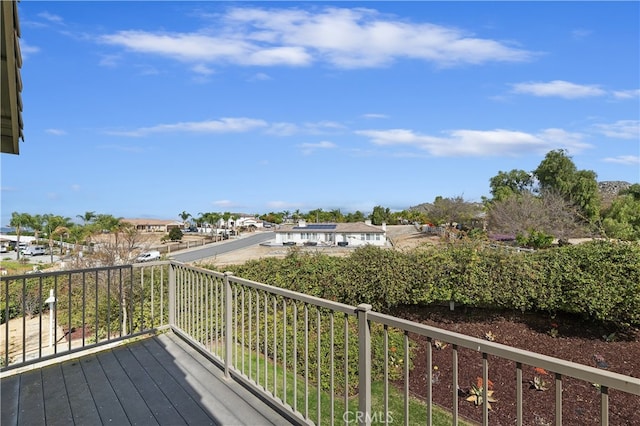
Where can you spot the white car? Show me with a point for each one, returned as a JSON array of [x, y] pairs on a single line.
[[148, 256], [34, 251]]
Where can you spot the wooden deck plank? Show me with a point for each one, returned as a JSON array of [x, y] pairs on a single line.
[[107, 403], [31, 401], [157, 401], [175, 386], [57, 410], [236, 406], [83, 407], [9, 396], [160, 380], [132, 402]]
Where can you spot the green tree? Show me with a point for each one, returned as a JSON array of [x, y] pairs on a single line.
[[380, 215], [175, 234], [622, 219], [87, 217], [51, 223], [356, 216], [559, 174], [506, 184], [185, 217], [19, 221]]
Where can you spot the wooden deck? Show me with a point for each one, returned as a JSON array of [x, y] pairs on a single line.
[[155, 381]]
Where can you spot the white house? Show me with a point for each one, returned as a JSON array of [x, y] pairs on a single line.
[[332, 234]]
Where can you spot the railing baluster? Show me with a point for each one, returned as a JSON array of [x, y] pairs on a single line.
[[518, 394], [454, 368], [346, 369], [295, 356], [306, 361], [318, 366], [429, 382], [332, 367], [406, 378], [558, 379], [284, 351], [485, 389], [6, 320], [275, 346], [604, 406], [244, 342], [266, 336], [385, 393], [250, 292], [235, 326], [258, 377], [40, 304]]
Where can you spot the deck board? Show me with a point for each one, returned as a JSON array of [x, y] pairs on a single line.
[[108, 405], [160, 380], [56, 404]]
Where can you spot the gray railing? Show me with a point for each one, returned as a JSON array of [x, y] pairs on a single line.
[[316, 359]]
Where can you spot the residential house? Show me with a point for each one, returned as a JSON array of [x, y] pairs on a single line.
[[154, 225], [332, 234]]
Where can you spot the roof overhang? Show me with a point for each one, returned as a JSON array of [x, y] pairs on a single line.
[[11, 84]]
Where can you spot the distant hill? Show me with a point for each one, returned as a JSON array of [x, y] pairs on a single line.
[[609, 190]]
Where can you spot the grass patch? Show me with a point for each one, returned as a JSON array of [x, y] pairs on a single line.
[[303, 395]]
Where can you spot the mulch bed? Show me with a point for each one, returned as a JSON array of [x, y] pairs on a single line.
[[562, 336]]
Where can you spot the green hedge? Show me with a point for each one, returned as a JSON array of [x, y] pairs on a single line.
[[598, 279]]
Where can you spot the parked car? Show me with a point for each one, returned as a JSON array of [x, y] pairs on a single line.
[[33, 251], [148, 256]]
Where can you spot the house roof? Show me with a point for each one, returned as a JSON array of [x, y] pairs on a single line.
[[10, 82], [152, 222], [340, 228]]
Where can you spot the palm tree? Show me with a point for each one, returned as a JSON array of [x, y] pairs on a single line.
[[19, 220], [88, 217], [51, 224], [184, 216]]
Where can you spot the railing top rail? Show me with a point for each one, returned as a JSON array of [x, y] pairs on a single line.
[[38, 274], [556, 365]]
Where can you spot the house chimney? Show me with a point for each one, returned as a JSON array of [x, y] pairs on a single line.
[[302, 223], [367, 222], [384, 226]]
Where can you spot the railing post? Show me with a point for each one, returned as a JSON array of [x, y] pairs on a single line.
[[364, 365], [228, 320], [172, 295]]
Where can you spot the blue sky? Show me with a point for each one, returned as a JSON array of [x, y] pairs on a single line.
[[148, 109]]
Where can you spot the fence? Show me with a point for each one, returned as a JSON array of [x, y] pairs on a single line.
[[322, 361]]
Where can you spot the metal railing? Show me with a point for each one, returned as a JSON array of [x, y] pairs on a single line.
[[315, 359]]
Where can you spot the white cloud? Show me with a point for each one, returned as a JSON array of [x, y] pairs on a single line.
[[558, 88], [202, 69], [309, 148], [374, 116], [283, 129], [579, 34], [223, 125], [631, 160], [51, 17], [626, 94], [478, 143], [56, 132], [27, 50], [621, 129], [260, 77], [344, 38]]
